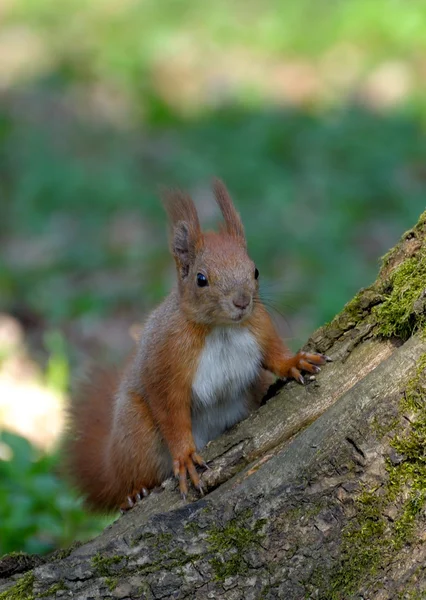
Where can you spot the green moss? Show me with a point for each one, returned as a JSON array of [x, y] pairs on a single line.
[[356, 312], [362, 549], [414, 396], [411, 595], [192, 527], [52, 590], [162, 541], [353, 310], [416, 232], [297, 512], [371, 539], [111, 568], [412, 471], [65, 552], [230, 543], [61, 554], [396, 316], [15, 555], [411, 590], [116, 567], [265, 591], [22, 590], [384, 426], [405, 524], [350, 316], [389, 305], [111, 583], [108, 566]]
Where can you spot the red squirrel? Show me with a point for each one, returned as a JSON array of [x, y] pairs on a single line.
[[201, 366]]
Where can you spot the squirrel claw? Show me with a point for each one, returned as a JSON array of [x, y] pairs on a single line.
[[184, 466], [132, 499], [127, 505], [200, 462], [308, 362]]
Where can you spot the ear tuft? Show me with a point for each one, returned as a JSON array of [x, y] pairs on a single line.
[[233, 224], [180, 207]]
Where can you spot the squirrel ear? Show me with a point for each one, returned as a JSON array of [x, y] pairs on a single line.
[[233, 224], [182, 246], [185, 235]]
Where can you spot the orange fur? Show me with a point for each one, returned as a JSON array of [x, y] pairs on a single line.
[[171, 386], [233, 224], [85, 450], [128, 434], [277, 358]]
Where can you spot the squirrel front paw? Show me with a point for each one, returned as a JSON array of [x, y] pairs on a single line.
[[184, 465], [305, 361]]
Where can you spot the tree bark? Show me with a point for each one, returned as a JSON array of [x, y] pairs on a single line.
[[319, 494]]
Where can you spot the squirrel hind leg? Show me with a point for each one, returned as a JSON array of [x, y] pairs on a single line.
[[136, 496]]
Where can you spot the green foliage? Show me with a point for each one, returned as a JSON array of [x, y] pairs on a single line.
[[57, 369], [317, 265], [122, 43], [313, 185], [38, 512]]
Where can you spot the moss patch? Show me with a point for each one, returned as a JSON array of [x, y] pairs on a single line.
[[417, 233], [230, 543], [395, 305], [373, 537], [111, 583], [402, 281], [108, 566], [22, 590], [52, 590], [396, 315], [64, 552]]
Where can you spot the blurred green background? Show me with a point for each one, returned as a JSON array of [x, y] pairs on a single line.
[[314, 114]]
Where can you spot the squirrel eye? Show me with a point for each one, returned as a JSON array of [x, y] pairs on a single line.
[[202, 280], [256, 274]]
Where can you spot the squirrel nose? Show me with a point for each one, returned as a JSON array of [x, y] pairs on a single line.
[[241, 300]]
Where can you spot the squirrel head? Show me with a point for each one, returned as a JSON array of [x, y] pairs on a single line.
[[217, 280]]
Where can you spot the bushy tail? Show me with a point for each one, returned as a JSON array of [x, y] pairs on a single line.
[[85, 449]]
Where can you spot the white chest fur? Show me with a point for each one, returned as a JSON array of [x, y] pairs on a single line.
[[229, 364]]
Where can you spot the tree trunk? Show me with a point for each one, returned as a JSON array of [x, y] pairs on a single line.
[[320, 494]]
